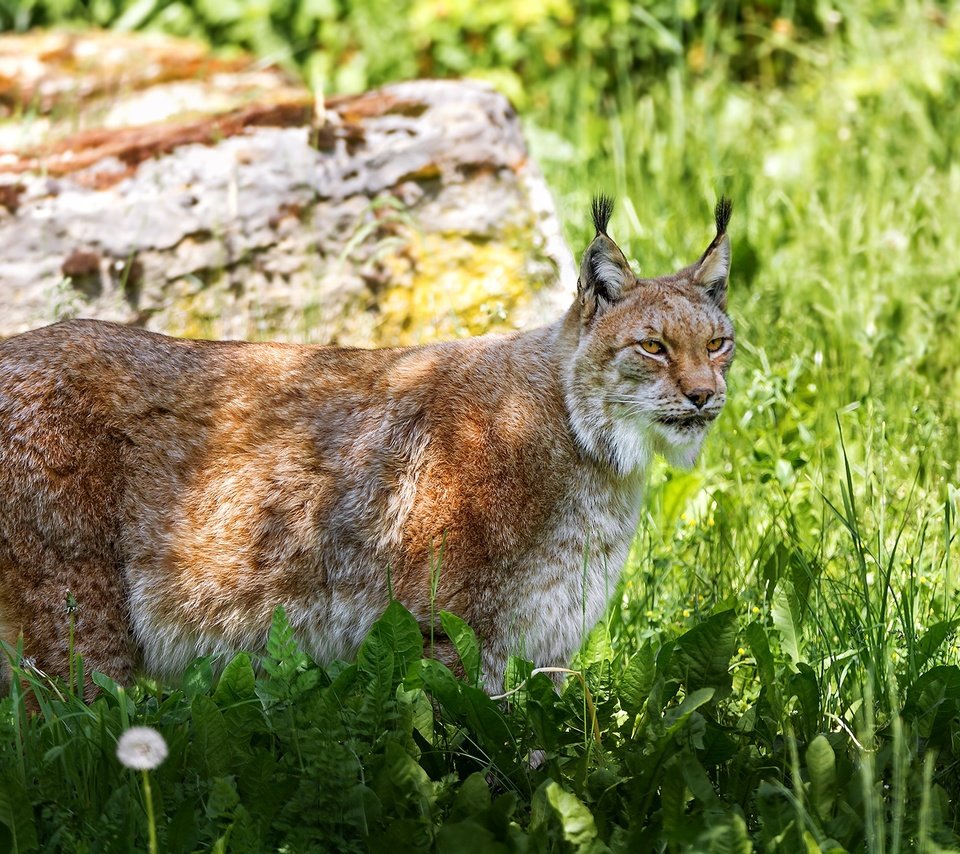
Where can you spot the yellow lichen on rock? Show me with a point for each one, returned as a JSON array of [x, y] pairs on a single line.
[[451, 287]]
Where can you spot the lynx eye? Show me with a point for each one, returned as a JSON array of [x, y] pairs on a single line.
[[714, 345], [651, 345]]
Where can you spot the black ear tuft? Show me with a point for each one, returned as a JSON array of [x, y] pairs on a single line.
[[602, 209], [722, 214]]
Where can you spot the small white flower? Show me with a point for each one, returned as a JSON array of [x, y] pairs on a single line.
[[895, 239], [141, 748]]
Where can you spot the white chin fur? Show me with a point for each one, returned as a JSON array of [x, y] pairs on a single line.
[[629, 443], [680, 448]]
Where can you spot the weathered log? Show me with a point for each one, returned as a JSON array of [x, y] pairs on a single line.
[[208, 198]]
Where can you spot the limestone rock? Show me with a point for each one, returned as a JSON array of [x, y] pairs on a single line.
[[209, 198]]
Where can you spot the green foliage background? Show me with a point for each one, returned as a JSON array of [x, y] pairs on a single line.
[[780, 671]]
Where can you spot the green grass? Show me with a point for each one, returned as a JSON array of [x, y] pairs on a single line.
[[782, 670]]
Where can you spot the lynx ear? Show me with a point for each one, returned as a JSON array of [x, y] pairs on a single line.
[[713, 269], [605, 275]]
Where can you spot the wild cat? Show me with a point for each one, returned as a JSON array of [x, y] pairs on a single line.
[[180, 490]]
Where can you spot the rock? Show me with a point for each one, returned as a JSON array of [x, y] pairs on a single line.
[[201, 197]]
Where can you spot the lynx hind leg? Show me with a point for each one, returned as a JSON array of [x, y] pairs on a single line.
[[101, 633], [8, 637]]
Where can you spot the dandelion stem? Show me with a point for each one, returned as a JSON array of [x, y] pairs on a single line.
[[151, 822]]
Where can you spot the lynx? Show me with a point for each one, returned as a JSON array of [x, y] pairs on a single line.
[[180, 490]]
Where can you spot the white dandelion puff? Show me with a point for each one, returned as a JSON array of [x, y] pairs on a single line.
[[141, 748]]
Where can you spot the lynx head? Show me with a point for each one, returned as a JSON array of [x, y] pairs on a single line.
[[651, 355]]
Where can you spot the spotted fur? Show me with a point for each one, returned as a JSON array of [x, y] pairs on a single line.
[[180, 490]]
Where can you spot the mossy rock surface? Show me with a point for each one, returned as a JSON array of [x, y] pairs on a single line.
[[203, 198]]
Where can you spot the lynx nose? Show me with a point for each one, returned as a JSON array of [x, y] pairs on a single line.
[[699, 396]]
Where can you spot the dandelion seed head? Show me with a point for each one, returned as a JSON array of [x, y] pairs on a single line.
[[141, 748]]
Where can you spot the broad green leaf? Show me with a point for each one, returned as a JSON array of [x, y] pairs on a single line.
[[16, 812], [237, 683], [545, 711], [421, 711], [461, 701], [637, 679], [576, 821], [440, 682], [822, 768], [673, 799], [775, 567], [806, 687], [727, 834], [783, 609], [472, 799], [197, 678], [778, 818], [499, 818], [771, 689], [933, 639], [465, 640], [933, 700], [760, 647], [375, 662], [702, 655], [243, 835], [664, 658], [676, 717], [182, 830], [468, 836], [402, 780], [361, 807], [395, 636], [488, 721], [236, 695], [222, 798], [210, 745], [393, 643], [695, 776]]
